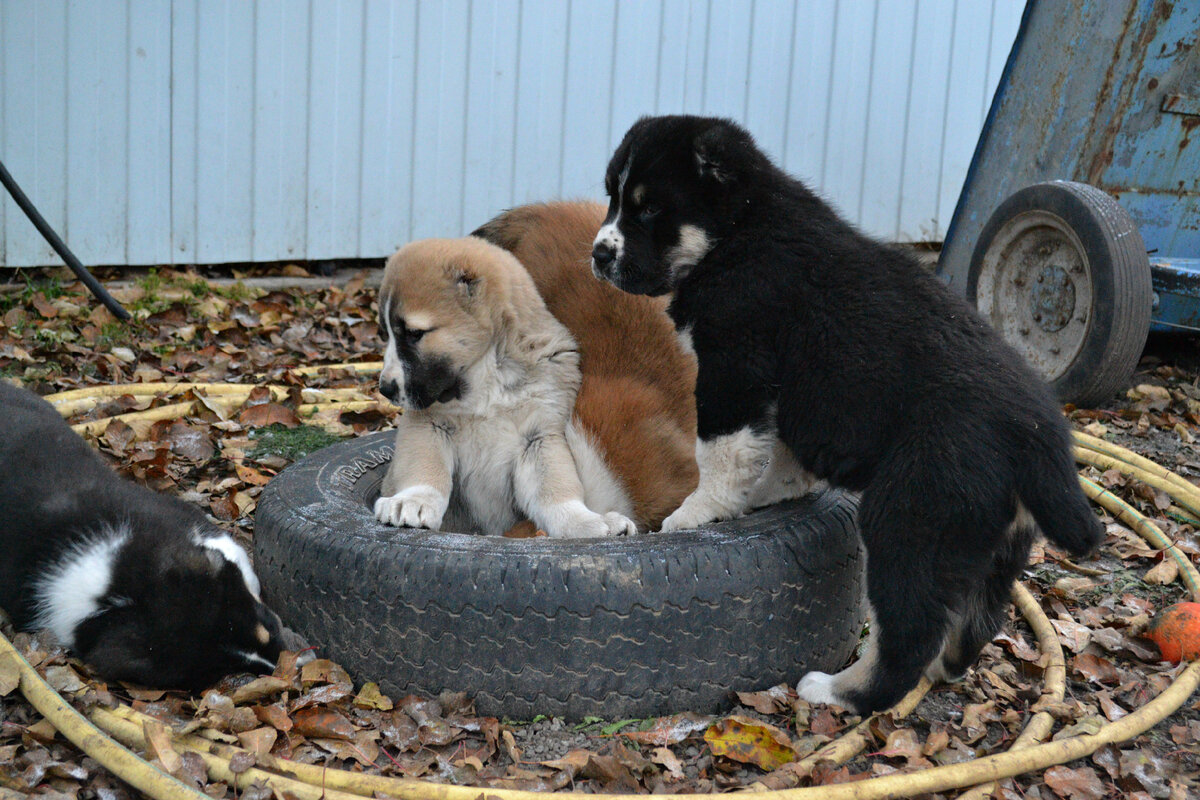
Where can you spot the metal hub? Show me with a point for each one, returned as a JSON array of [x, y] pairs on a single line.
[[1035, 287], [1052, 299]]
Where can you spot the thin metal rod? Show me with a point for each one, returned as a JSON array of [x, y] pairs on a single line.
[[60, 246]]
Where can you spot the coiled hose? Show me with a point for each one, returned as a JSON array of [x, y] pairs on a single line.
[[105, 735]]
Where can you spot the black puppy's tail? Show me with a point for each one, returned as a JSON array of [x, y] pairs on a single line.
[[1049, 489]]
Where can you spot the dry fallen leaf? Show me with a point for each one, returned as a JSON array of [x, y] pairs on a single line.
[[370, 697], [264, 414], [1162, 573], [664, 756], [251, 475], [322, 723], [259, 689], [670, 730], [770, 701], [1095, 668], [750, 741], [10, 673], [274, 715], [1074, 784], [322, 670], [159, 741], [1073, 635], [259, 741]]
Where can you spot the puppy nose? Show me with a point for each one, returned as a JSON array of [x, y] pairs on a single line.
[[603, 255], [390, 389]]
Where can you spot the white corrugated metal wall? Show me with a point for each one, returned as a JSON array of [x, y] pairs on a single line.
[[211, 131]]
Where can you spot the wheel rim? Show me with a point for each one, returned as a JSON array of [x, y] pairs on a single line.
[[1035, 288]]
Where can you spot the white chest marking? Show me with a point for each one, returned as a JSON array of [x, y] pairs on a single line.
[[70, 591], [694, 245]]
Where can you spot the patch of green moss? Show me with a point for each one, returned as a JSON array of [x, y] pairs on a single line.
[[50, 286], [151, 282], [291, 443], [238, 291]]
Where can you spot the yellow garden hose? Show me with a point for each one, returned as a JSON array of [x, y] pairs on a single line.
[[70, 723], [177, 410], [1190, 500], [310, 782], [73, 402]]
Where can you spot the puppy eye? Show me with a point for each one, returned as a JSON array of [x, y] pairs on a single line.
[[413, 335], [649, 212]]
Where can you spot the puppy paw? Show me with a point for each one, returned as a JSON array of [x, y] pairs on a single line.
[[691, 515], [590, 526], [414, 507], [574, 520], [620, 525], [818, 687]]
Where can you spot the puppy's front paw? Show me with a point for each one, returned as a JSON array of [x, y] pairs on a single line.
[[619, 524], [574, 520], [692, 514], [818, 687], [414, 507]]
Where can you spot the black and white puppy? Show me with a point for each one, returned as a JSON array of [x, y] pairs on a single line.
[[139, 585], [868, 369]]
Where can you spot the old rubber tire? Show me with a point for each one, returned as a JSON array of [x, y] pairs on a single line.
[[1061, 271], [617, 628]]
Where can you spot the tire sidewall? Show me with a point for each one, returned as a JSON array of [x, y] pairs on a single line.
[[617, 626]]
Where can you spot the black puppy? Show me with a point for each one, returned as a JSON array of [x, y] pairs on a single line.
[[139, 585], [868, 369]]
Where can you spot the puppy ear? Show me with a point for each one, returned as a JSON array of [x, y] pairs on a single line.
[[713, 150], [466, 283], [190, 566]]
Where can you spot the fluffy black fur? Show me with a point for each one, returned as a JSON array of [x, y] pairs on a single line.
[[869, 369], [174, 613]]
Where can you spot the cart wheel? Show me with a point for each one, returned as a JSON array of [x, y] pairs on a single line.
[[1061, 271]]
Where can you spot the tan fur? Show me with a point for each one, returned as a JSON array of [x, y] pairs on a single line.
[[636, 399], [501, 445]]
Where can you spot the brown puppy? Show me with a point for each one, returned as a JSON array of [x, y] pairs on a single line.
[[636, 400]]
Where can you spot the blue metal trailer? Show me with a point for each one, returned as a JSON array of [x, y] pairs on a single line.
[[1078, 226]]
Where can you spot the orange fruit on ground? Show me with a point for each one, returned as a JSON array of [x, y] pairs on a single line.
[[1176, 631]]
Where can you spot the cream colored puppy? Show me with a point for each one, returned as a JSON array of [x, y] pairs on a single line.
[[488, 379]]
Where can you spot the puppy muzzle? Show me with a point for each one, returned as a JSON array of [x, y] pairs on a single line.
[[390, 389]]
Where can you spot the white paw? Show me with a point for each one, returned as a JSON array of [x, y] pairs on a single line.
[[574, 520], [692, 514], [414, 507], [619, 524], [580, 526], [818, 687]]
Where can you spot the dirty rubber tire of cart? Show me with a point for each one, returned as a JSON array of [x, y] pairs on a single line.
[[616, 628]]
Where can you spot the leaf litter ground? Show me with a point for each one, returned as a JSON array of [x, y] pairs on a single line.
[[53, 337]]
